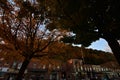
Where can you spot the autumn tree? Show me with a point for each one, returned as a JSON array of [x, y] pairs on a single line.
[[23, 29], [62, 52]]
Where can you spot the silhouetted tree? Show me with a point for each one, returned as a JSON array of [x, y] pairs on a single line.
[[91, 20]]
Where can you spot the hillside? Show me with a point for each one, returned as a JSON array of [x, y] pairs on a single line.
[[60, 52], [64, 52]]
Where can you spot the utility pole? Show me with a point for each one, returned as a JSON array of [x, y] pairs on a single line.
[[83, 60]]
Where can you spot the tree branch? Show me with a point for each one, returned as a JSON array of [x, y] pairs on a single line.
[[39, 55]]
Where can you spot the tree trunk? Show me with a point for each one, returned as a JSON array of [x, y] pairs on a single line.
[[23, 68], [115, 47]]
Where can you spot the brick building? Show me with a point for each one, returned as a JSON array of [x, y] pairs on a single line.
[[73, 69]]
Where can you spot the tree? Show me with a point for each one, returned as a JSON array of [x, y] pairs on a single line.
[[91, 20], [23, 29], [62, 52]]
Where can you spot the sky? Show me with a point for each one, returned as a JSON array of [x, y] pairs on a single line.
[[100, 44]]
